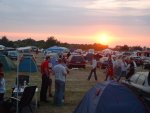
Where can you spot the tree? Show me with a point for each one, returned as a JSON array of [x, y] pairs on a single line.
[[124, 48], [4, 41], [51, 41]]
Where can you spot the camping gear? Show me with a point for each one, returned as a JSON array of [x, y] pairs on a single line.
[[23, 102], [110, 97], [27, 64], [8, 65]]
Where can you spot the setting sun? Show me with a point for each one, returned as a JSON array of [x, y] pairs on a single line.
[[104, 39]]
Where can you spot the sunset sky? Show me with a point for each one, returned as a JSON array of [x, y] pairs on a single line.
[[77, 21]]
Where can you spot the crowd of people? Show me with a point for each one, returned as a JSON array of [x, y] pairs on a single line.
[[115, 69]]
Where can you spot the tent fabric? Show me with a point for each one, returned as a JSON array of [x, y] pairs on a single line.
[[8, 64], [27, 64], [110, 97], [56, 48]]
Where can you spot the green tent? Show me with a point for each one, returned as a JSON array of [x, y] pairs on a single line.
[[8, 65]]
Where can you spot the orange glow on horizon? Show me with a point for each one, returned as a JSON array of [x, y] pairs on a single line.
[[107, 37], [103, 38]]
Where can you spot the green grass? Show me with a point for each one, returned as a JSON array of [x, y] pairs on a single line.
[[76, 86]]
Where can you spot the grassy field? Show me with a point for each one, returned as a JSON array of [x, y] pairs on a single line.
[[76, 86]]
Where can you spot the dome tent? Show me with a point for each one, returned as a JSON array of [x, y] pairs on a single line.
[[110, 97], [27, 64], [8, 65]]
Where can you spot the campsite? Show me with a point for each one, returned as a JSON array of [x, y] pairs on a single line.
[[77, 84], [74, 56], [74, 90]]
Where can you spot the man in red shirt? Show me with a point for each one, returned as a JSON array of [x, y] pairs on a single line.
[[45, 71]]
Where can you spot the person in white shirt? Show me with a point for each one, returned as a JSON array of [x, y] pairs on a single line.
[[60, 73], [93, 70]]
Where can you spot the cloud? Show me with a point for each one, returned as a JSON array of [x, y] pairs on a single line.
[[50, 15]]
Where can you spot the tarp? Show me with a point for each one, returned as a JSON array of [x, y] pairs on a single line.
[[8, 65], [110, 97], [27, 64]]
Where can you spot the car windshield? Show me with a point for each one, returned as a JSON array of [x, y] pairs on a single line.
[[77, 59], [13, 53]]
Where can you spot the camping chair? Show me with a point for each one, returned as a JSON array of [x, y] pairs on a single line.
[[21, 79], [25, 99]]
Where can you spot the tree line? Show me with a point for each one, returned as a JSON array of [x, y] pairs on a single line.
[[51, 41]]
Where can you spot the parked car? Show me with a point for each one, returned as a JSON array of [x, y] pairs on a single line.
[[13, 55], [76, 61], [138, 61], [140, 84]]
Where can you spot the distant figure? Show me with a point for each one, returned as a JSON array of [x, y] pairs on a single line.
[[37, 51], [109, 69], [131, 68], [93, 70], [45, 79], [123, 65], [2, 83], [60, 79], [68, 55]]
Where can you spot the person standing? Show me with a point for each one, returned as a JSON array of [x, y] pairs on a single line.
[[131, 68], [93, 70], [109, 69], [123, 65], [45, 79], [60, 78], [2, 83]]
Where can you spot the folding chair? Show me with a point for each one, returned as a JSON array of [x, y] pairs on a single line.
[[25, 99]]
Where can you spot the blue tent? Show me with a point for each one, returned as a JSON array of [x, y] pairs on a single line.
[[27, 64], [110, 97]]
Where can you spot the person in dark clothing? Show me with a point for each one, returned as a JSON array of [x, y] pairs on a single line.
[[68, 55], [109, 69], [131, 69], [45, 79]]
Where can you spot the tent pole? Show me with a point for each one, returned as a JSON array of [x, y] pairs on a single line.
[[17, 81]]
